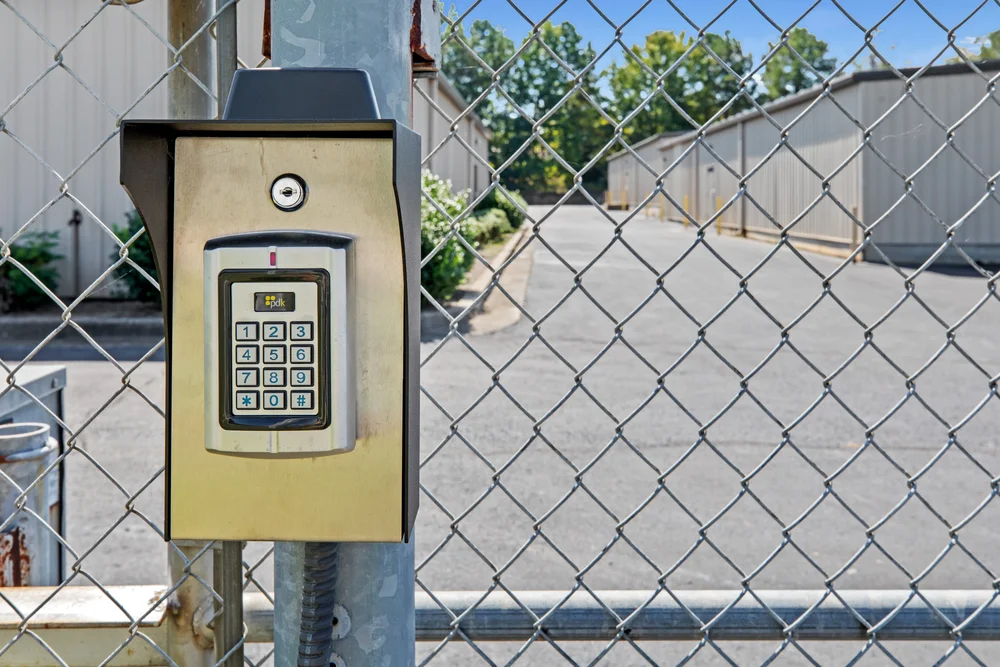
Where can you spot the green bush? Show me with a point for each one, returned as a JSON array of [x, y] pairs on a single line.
[[497, 199], [135, 285], [487, 227], [447, 268], [36, 252]]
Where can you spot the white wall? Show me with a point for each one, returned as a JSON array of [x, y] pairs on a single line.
[[633, 179], [465, 165], [818, 144], [948, 185], [118, 57], [63, 123], [782, 187]]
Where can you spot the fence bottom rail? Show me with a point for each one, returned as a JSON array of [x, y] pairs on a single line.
[[83, 626]]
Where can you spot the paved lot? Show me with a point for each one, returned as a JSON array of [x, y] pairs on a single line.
[[540, 429]]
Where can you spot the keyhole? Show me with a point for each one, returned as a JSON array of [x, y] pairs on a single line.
[[288, 192]]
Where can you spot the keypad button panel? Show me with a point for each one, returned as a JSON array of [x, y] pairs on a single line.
[[274, 364]]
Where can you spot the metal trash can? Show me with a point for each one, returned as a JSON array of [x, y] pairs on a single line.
[[29, 505]]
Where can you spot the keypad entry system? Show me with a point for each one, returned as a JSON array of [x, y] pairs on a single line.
[[279, 344]]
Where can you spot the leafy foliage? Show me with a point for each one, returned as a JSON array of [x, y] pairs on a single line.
[[705, 77], [536, 83], [498, 200], [446, 269], [785, 73], [699, 84], [989, 48], [488, 226], [135, 284], [36, 252]]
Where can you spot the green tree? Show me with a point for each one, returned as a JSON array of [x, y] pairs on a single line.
[[700, 85], [489, 44], [536, 84], [785, 73], [989, 48]]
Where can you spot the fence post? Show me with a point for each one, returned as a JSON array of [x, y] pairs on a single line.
[[191, 606], [187, 99], [226, 52], [374, 584]]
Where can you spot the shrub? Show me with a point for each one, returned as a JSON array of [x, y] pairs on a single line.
[[36, 252], [447, 268], [497, 199], [487, 227], [135, 284]]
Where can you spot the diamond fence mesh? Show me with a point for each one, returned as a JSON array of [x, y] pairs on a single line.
[[623, 397]]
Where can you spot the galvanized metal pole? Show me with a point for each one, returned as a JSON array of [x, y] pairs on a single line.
[[228, 564], [372, 35], [189, 644], [226, 51], [375, 581], [190, 95]]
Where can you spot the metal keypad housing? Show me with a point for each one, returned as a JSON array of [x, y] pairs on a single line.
[[279, 375]]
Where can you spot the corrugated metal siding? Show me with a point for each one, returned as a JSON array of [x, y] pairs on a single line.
[[644, 175], [630, 178], [949, 186], [119, 58], [784, 187], [679, 183], [714, 178], [452, 160]]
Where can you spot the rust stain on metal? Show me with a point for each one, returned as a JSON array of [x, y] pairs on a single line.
[[421, 59], [15, 559], [265, 44]]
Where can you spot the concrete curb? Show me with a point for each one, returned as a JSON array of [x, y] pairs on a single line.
[[33, 328], [434, 324]]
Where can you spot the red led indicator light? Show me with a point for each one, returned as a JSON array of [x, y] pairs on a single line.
[[274, 258]]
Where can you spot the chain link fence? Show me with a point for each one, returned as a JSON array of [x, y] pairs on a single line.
[[646, 440]]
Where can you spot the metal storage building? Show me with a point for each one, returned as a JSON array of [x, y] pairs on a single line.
[[464, 164], [119, 55], [826, 148], [629, 181]]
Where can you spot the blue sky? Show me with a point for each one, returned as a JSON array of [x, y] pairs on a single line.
[[908, 38]]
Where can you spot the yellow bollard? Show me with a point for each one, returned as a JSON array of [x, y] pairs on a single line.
[[663, 207]]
